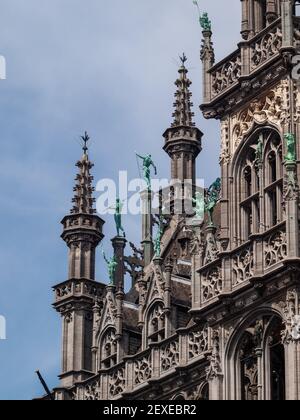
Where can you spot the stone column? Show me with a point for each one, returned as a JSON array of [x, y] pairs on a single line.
[[142, 288], [119, 244], [259, 354], [245, 19], [291, 195], [147, 226], [167, 291], [208, 59], [214, 371], [287, 24], [291, 341], [271, 12]]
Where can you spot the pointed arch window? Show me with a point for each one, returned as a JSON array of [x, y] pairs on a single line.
[[249, 369], [249, 195], [273, 180], [277, 361], [109, 349], [156, 324], [260, 184], [260, 363]]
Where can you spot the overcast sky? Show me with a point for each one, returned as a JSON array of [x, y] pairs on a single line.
[[106, 66]]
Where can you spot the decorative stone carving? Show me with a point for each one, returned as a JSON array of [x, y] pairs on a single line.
[[273, 108], [258, 333], [117, 382], [64, 291], [212, 284], [291, 186], [196, 243], [109, 344], [275, 248], [243, 265], [169, 356], [291, 312], [142, 289], [211, 251], [226, 75], [158, 282], [197, 343], [142, 369], [266, 47], [225, 145], [92, 391], [296, 102], [69, 318], [207, 52], [111, 309], [156, 318], [214, 369]]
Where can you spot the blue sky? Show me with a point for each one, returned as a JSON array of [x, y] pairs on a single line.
[[106, 66]]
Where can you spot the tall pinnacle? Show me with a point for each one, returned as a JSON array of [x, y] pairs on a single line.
[[183, 115], [83, 199], [183, 138]]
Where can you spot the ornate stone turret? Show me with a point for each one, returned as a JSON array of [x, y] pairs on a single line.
[[75, 298], [183, 139], [82, 228]]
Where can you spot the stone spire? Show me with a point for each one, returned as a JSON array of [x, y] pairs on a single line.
[[75, 298], [183, 115], [83, 199], [183, 138]]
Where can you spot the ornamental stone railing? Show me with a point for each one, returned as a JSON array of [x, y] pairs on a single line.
[[242, 265], [252, 55], [226, 74], [235, 269], [265, 46], [136, 372], [275, 248], [78, 287]]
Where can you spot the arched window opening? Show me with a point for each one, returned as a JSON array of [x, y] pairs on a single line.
[[204, 394], [264, 13], [156, 324], [260, 362], [260, 186], [248, 181], [179, 397], [272, 167], [249, 195], [273, 180], [109, 349], [249, 365], [277, 361]]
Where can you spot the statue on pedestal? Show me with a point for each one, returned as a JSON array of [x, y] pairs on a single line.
[[118, 217], [111, 266], [212, 198], [147, 163]]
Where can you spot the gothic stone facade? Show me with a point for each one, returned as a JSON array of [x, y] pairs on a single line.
[[216, 316]]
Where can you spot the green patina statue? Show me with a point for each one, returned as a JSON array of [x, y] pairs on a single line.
[[199, 205], [290, 142], [147, 163], [118, 217], [157, 241], [205, 22], [111, 266], [212, 198]]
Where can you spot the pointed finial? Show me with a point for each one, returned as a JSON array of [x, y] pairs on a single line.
[[85, 140], [183, 59]]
